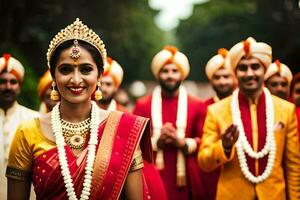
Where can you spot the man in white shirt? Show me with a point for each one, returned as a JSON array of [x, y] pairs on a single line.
[[11, 112]]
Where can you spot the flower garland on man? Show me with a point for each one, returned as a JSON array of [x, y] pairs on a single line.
[[252, 135], [177, 120]]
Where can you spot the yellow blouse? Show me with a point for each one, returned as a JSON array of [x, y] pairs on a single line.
[[29, 142]]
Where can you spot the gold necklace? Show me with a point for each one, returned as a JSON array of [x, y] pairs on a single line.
[[75, 133]]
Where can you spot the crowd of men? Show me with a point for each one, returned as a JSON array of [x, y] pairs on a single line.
[[241, 142]]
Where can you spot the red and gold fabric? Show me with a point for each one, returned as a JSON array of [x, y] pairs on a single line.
[[12, 65], [168, 55], [121, 149], [284, 180]]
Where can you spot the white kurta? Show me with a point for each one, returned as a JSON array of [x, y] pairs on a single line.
[[9, 123]]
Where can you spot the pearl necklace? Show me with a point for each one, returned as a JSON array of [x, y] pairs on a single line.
[[60, 142], [242, 145]]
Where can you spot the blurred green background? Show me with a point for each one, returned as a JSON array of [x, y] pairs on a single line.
[[132, 38]]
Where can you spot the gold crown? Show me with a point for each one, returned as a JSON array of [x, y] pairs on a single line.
[[77, 30]]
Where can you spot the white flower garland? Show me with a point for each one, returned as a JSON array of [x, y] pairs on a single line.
[[181, 120], [57, 130], [242, 145]]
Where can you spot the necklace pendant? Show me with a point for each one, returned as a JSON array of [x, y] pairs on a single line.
[[76, 141]]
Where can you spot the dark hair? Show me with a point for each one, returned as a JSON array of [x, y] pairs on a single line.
[[91, 49]]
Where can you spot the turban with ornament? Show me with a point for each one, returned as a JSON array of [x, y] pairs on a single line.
[[249, 48], [281, 69], [44, 83], [12, 65], [216, 62], [170, 55], [113, 69]]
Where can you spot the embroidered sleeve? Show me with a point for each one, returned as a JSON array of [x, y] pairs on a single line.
[[20, 156], [137, 162]]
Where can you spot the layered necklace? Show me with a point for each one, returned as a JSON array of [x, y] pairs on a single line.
[[60, 143], [75, 133], [242, 145], [181, 119]]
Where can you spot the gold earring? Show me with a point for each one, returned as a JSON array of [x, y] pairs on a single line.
[[54, 93], [98, 93]]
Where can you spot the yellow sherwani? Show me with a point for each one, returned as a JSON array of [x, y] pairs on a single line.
[[232, 183]]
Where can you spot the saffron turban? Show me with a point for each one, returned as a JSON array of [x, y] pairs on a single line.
[[249, 48], [215, 63], [113, 68], [13, 66], [170, 55], [44, 83], [279, 68]]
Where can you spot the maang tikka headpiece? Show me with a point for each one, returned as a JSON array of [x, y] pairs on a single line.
[[75, 51], [76, 31]]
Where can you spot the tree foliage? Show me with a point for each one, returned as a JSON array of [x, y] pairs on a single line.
[[223, 23], [127, 28]]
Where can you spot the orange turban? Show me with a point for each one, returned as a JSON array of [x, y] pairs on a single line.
[[12, 65], [249, 48], [279, 68], [113, 68], [215, 63], [169, 55], [44, 83]]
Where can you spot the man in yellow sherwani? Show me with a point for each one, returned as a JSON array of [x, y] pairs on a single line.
[[251, 134]]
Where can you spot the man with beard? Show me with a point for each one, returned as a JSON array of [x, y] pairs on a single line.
[[11, 113], [221, 77], [222, 80], [278, 79], [110, 81], [177, 120], [252, 135]]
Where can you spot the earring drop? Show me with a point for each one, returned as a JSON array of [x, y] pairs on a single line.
[[98, 93], [54, 93]]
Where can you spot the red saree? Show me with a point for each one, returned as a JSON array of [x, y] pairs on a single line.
[[119, 138]]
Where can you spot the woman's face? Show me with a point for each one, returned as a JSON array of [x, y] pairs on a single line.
[[76, 80]]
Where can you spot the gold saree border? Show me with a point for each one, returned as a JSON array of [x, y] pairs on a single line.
[[131, 145], [105, 149]]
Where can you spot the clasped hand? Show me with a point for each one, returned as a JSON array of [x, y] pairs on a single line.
[[168, 135]]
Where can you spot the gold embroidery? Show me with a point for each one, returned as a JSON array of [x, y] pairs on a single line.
[[105, 148], [137, 162], [18, 174]]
